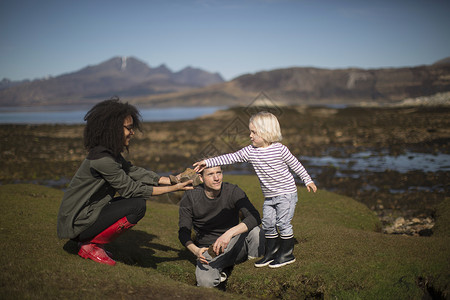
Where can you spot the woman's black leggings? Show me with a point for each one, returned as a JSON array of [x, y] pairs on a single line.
[[116, 209]]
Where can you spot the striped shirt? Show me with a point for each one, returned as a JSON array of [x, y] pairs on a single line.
[[271, 165]]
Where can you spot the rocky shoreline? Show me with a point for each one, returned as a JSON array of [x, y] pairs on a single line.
[[53, 152], [410, 226]]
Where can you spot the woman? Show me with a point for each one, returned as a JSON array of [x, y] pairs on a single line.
[[91, 212]]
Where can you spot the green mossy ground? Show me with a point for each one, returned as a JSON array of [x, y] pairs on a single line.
[[340, 253]]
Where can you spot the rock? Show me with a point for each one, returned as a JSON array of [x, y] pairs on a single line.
[[426, 232], [412, 227], [400, 221], [188, 174], [389, 230]]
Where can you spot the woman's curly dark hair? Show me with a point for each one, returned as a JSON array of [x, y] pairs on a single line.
[[104, 125]]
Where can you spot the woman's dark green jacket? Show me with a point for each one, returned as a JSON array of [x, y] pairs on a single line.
[[96, 182]]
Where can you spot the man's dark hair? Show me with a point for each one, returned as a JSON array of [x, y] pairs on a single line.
[[104, 125], [203, 171]]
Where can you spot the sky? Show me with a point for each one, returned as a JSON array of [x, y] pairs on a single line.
[[40, 38]]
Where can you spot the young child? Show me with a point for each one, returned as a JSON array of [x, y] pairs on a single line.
[[271, 161]]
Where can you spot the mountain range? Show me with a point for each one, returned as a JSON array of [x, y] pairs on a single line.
[[126, 77], [135, 82]]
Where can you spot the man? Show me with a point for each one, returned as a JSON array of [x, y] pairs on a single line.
[[212, 210]]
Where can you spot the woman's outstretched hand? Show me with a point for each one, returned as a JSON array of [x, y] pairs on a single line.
[[184, 186], [199, 166]]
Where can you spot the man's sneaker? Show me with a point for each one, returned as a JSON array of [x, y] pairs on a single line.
[[223, 276]]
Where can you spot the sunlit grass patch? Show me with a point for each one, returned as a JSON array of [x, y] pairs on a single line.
[[340, 253]]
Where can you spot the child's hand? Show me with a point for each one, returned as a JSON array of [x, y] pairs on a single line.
[[199, 166], [312, 187]]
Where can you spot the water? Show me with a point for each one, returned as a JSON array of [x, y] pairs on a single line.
[[359, 165], [75, 114], [368, 161]]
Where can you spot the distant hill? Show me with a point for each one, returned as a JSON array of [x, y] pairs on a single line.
[[136, 82], [122, 76], [299, 86], [444, 61], [6, 83]]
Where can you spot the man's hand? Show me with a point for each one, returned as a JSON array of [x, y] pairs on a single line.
[[222, 242], [312, 187], [199, 253]]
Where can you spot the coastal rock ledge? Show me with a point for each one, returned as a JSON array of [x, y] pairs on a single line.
[[412, 227]]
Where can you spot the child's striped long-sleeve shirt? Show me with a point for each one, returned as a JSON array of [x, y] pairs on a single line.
[[271, 165]]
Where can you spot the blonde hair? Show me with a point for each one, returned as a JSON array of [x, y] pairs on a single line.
[[267, 126]]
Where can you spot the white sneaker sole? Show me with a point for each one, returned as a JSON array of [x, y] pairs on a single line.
[[282, 264], [264, 264], [223, 276]]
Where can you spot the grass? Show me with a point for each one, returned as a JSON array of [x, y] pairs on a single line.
[[340, 254]]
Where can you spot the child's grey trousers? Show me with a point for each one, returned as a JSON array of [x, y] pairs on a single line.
[[278, 212]]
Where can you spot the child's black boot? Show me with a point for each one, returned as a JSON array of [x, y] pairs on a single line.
[[285, 254], [272, 246]]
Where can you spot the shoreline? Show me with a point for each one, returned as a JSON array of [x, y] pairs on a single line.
[[53, 152]]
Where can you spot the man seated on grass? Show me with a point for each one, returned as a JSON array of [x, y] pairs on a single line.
[[213, 209]]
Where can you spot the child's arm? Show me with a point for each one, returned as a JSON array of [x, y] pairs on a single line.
[[226, 159], [296, 166]]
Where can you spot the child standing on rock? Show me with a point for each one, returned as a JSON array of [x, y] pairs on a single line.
[[271, 161]]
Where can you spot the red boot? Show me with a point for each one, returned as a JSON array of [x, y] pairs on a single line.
[[94, 250], [98, 245], [96, 253]]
